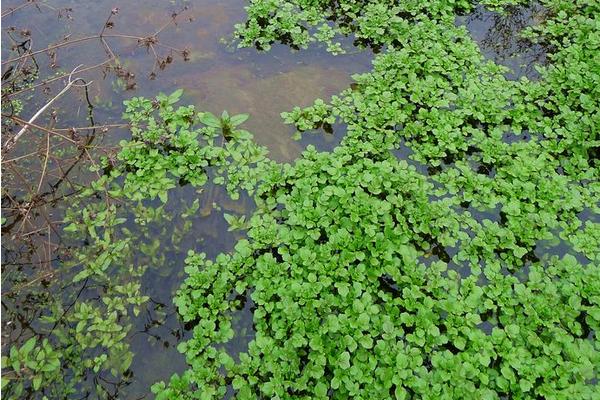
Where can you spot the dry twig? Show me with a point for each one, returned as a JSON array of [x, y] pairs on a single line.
[[12, 141]]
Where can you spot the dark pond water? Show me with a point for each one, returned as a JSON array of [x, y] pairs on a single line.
[[498, 36], [215, 78]]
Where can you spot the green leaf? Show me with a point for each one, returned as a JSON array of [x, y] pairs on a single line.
[[175, 96], [229, 218], [344, 360], [163, 196], [209, 119], [238, 119], [37, 382], [321, 389], [28, 346]]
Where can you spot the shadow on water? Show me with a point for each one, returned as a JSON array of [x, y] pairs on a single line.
[[499, 37]]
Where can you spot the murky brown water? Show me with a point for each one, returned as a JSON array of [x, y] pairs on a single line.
[[216, 78]]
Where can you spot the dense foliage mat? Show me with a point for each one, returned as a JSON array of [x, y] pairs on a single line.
[[431, 277]]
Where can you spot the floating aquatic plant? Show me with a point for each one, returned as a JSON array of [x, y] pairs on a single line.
[[374, 276]]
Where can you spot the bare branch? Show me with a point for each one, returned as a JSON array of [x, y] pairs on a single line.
[[12, 141]]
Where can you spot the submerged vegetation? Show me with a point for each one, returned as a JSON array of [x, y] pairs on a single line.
[[448, 247]]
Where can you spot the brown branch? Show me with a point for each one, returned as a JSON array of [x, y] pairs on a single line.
[[41, 128], [12, 141], [42, 176], [82, 128], [83, 39], [14, 9], [56, 46], [48, 81]]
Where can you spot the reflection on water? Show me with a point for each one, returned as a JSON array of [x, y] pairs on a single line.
[[499, 37], [159, 330]]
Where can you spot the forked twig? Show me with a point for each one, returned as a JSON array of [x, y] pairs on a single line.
[[12, 141]]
